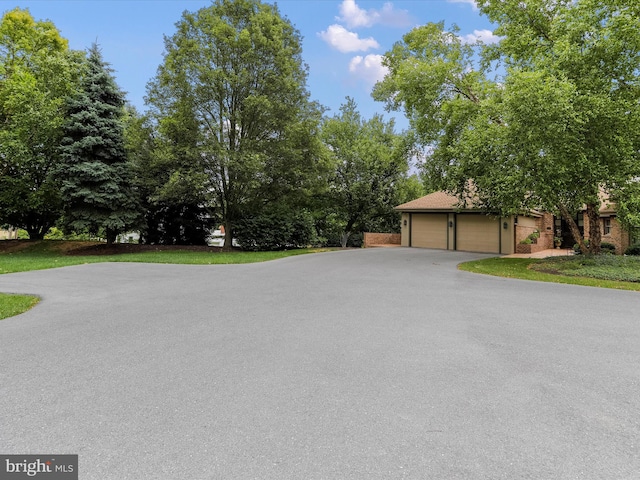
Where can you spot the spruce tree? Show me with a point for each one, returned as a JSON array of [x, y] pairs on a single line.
[[96, 175]]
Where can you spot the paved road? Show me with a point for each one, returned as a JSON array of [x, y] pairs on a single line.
[[362, 364]]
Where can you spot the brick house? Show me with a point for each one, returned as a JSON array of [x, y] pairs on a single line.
[[437, 221]]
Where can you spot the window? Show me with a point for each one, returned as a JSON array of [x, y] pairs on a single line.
[[606, 225]]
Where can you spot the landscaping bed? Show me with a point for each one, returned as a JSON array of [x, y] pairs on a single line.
[[75, 247], [604, 267]]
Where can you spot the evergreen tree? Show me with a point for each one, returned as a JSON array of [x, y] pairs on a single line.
[[96, 175]]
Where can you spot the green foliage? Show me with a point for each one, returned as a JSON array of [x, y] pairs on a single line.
[[606, 247], [544, 271], [57, 234], [171, 188], [605, 267], [95, 173], [531, 238], [562, 122], [369, 164], [232, 112], [37, 73], [576, 247], [275, 232], [633, 249]]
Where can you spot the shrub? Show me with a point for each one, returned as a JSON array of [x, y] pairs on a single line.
[[606, 247], [275, 231], [576, 247], [531, 238], [633, 250], [605, 267]]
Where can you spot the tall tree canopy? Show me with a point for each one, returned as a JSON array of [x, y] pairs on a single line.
[[96, 175], [369, 171], [561, 124], [232, 89], [37, 73], [169, 179]]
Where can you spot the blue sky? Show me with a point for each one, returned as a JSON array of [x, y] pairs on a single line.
[[343, 40]]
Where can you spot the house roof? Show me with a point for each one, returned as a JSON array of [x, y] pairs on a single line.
[[433, 201], [445, 202], [442, 202]]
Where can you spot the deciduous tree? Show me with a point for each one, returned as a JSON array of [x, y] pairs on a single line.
[[369, 166], [37, 73], [234, 72], [560, 126]]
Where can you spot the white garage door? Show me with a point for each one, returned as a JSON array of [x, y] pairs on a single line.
[[429, 230], [477, 233]]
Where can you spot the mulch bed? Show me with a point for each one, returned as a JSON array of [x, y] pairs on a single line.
[[100, 248], [120, 248]]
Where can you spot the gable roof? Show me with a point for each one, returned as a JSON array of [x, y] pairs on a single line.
[[445, 202], [434, 201]]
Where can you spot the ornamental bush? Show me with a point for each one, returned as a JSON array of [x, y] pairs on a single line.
[[633, 250], [275, 231]]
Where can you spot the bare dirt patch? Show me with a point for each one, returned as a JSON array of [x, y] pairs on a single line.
[[75, 247], [11, 246], [120, 248]]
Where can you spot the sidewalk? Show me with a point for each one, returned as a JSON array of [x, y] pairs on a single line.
[[554, 252]]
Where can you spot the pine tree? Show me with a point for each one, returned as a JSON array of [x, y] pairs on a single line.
[[96, 174]]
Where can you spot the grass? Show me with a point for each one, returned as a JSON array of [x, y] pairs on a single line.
[[607, 271], [26, 256], [11, 305], [51, 254]]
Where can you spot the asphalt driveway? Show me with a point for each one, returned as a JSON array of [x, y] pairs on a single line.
[[361, 364]]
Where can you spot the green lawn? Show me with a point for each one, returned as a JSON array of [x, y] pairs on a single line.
[[11, 305], [51, 254], [606, 271]]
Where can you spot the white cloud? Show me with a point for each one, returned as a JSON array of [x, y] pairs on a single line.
[[345, 41], [470, 2], [485, 36], [354, 16], [368, 69]]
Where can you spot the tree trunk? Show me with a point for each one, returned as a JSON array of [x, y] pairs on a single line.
[[573, 227], [595, 235], [111, 236], [344, 239], [35, 233], [228, 237]]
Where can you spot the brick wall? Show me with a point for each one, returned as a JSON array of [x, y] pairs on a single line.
[[618, 236], [546, 231], [527, 225], [371, 239]]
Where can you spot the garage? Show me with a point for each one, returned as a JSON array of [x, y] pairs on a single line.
[[477, 233], [437, 221], [429, 231]]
